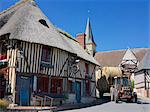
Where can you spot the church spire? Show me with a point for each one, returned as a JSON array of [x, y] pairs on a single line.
[[89, 39], [89, 34]]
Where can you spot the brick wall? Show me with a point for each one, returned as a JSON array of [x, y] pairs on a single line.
[[81, 39]]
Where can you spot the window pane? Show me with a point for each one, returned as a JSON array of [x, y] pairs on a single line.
[[43, 55], [46, 56]]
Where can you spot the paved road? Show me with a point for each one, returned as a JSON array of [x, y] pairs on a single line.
[[113, 107]]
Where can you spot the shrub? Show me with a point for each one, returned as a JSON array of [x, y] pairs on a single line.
[[133, 84], [3, 104]]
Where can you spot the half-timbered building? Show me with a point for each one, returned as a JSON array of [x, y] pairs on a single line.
[[42, 58], [142, 76]]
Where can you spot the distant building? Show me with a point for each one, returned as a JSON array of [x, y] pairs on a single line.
[[142, 76], [115, 57], [43, 59], [119, 62]]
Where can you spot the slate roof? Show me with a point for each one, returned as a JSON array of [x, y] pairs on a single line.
[[22, 22], [88, 32], [114, 58]]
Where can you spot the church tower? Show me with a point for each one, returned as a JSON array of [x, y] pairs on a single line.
[[89, 40], [86, 39]]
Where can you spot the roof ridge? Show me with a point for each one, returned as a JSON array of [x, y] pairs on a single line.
[[113, 50], [19, 3], [66, 34]]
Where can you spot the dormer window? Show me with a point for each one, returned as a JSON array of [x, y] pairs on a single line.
[[43, 22]]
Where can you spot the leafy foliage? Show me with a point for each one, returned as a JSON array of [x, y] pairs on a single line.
[[3, 104]]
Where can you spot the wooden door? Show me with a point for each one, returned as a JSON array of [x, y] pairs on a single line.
[[2, 86], [78, 92], [56, 86], [24, 87]]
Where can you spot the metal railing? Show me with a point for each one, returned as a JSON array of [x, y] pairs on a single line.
[[38, 98], [43, 100]]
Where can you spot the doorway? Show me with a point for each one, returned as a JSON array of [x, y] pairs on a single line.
[[24, 87], [78, 92]]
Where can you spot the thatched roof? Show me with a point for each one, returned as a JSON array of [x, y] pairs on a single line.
[[26, 22], [77, 48], [145, 63], [114, 58], [24, 25]]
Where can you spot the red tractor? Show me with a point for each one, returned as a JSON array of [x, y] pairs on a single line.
[[124, 90]]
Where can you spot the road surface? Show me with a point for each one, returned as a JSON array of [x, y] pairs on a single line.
[[113, 107]]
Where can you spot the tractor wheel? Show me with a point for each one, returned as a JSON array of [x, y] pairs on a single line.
[[116, 99], [101, 94], [134, 100]]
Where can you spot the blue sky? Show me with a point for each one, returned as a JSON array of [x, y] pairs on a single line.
[[116, 24]]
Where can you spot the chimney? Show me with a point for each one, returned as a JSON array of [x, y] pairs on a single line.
[[81, 39]]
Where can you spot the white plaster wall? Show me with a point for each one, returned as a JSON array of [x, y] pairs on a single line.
[[98, 75], [97, 93], [141, 92], [93, 89], [139, 80], [82, 69], [92, 84]]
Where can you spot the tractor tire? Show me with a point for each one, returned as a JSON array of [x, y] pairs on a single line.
[[134, 100], [116, 101], [101, 94]]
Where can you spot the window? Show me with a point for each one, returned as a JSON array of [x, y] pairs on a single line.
[[43, 22], [56, 85], [46, 56], [3, 51], [86, 69], [87, 81], [43, 84], [71, 86], [2, 85], [87, 87], [125, 81]]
